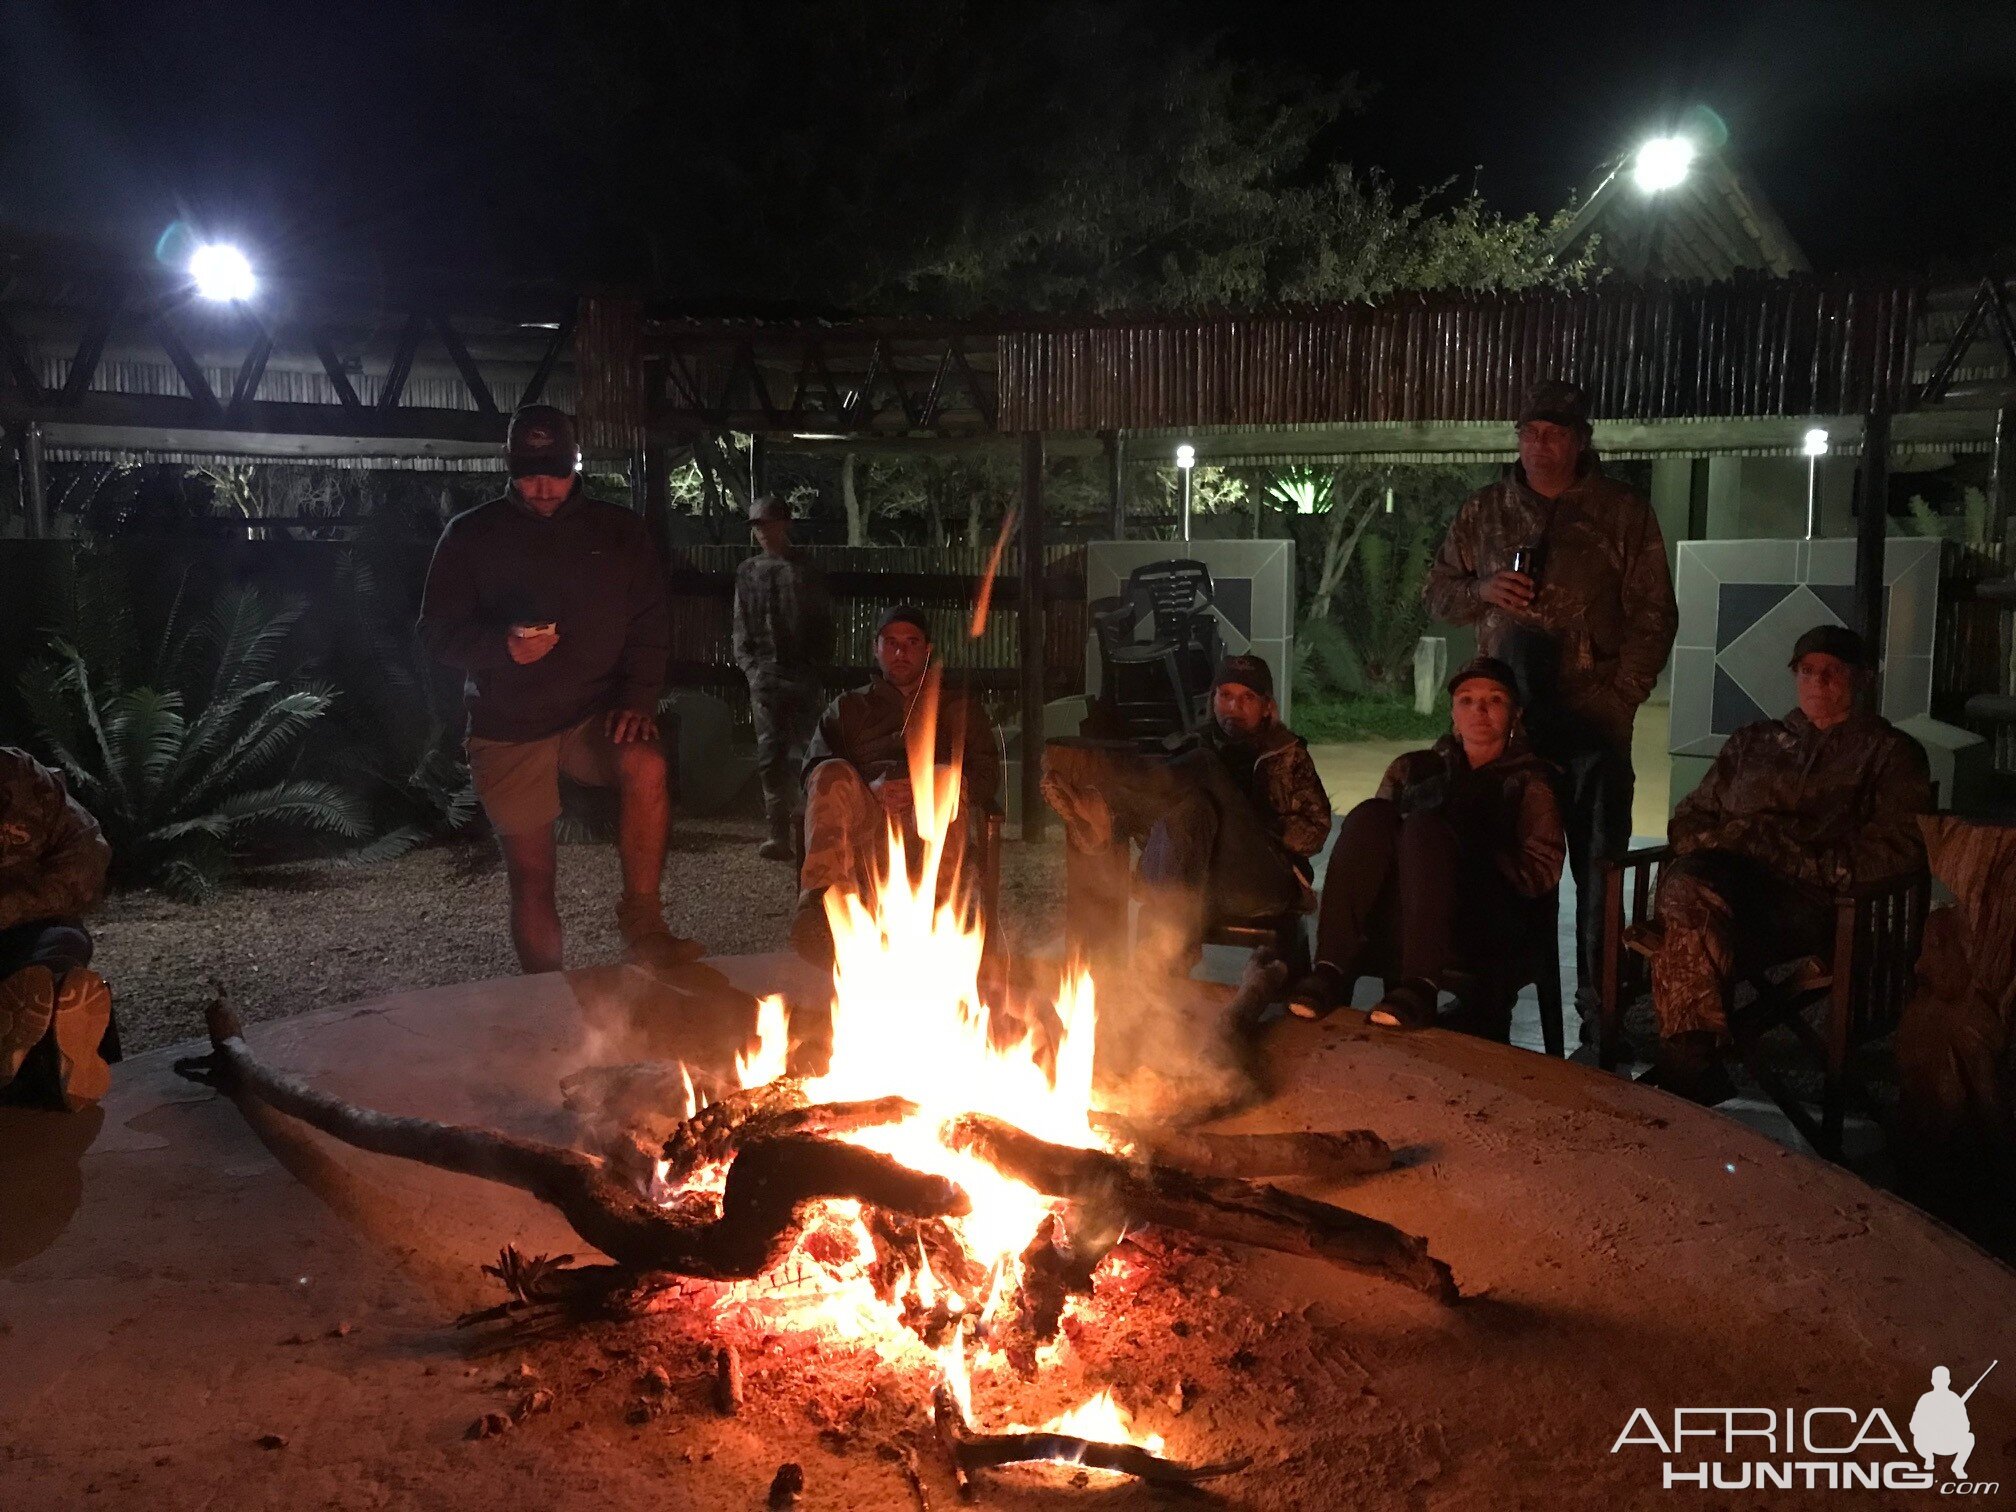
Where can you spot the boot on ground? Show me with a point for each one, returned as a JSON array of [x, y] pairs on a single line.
[[1690, 1065], [83, 1012], [778, 847], [27, 1004], [640, 919]]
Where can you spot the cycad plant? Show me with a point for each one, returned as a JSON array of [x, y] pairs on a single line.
[[185, 753]]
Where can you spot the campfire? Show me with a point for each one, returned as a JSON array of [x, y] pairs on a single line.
[[938, 1188]]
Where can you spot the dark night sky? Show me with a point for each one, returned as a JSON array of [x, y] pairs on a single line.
[[1885, 133]]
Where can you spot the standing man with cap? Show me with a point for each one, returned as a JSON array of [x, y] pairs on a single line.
[[1563, 572], [857, 773], [554, 606], [783, 638], [1793, 811], [1433, 873]]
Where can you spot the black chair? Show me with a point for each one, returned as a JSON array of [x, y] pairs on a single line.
[[1142, 694], [1284, 933], [1178, 594], [1864, 981]]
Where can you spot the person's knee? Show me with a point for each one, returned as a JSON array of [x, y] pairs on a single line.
[[640, 767]]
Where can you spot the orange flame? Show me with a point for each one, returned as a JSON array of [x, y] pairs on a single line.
[[984, 599]]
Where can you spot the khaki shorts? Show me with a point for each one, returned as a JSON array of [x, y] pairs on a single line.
[[518, 781]]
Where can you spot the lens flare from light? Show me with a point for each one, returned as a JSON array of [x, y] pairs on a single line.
[[222, 272], [1662, 163]]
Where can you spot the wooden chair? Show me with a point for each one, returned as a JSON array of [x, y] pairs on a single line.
[[1864, 980]]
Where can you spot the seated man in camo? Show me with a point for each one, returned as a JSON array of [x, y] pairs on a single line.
[[1793, 811], [857, 774]]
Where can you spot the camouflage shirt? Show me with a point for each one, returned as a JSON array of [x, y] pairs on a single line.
[[1831, 808], [52, 856], [783, 618], [1605, 597], [1276, 774]]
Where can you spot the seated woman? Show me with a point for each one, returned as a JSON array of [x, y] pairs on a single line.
[[1467, 831]]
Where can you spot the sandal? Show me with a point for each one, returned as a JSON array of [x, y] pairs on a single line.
[[1320, 993], [1411, 1005]]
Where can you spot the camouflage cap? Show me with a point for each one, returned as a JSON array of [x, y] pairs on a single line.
[[1557, 401], [1837, 641], [1247, 672], [1489, 668]]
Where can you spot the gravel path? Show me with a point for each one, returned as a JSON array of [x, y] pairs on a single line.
[[311, 935]]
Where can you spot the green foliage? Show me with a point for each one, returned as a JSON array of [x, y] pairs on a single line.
[[1007, 158], [397, 734], [1971, 527], [1338, 718], [186, 763]]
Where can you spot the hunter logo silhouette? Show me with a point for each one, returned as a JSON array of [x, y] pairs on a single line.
[[1939, 1424]]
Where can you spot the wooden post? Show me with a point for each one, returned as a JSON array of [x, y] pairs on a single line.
[[759, 466], [34, 483], [654, 485], [1116, 480], [1032, 617], [1872, 523]]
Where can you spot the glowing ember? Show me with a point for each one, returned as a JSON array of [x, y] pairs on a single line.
[[773, 1045]]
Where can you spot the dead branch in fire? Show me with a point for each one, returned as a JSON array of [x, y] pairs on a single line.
[[758, 1220], [1210, 1207], [1320, 1155], [970, 1451]]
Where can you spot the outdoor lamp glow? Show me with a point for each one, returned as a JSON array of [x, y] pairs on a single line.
[[1662, 163], [222, 272], [1814, 444], [1186, 456]]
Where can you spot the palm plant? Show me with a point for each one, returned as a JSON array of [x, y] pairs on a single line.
[[187, 761]]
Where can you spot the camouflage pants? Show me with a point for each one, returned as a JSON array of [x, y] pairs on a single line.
[[786, 711], [1722, 915], [847, 834]]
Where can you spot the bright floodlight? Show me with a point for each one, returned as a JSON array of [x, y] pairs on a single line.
[[1662, 163], [1186, 456], [221, 272], [1815, 443]]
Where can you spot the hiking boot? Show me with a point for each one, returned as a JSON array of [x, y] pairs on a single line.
[[811, 931], [1319, 994], [1410, 1005], [778, 847], [83, 1012], [1690, 1065], [641, 922], [27, 1003]]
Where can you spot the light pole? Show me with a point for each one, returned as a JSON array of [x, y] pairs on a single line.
[[1186, 463], [1815, 447]]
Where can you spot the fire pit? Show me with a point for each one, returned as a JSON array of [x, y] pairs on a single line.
[[912, 1165]]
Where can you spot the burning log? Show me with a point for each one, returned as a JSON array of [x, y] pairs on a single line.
[[772, 1110], [768, 1183], [1210, 1207], [970, 1451], [1332, 1155]]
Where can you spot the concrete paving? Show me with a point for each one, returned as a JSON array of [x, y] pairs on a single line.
[[180, 1276]]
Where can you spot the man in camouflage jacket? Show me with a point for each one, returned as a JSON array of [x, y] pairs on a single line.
[[1793, 811], [1227, 829], [53, 861], [1563, 572], [783, 641]]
